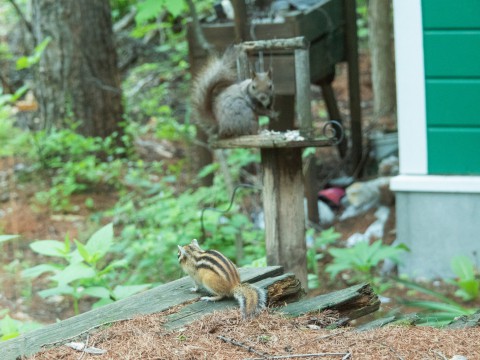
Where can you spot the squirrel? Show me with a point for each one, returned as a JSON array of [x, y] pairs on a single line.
[[219, 276], [227, 107]]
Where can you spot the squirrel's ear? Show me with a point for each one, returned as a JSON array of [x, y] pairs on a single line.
[[253, 74], [270, 72]]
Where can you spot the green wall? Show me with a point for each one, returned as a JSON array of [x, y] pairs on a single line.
[[451, 31]]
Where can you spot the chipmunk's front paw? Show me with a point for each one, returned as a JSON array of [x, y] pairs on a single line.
[[211, 298]]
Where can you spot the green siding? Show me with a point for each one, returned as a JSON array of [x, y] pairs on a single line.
[[453, 102], [448, 14], [451, 39], [452, 53], [453, 151]]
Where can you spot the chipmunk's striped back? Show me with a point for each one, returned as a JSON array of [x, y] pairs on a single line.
[[218, 275]]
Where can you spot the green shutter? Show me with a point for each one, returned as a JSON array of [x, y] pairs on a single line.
[[451, 14], [452, 54], [453, 102], [452, 85], [453, 151]]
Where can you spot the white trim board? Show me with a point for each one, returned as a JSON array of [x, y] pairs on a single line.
[[436, 183], [410, 75]]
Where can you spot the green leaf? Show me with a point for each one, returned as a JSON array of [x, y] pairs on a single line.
[[463, 267], [124, 291], [82, 250], [38, 270], [4, 238], [175, 7], [148, 9], [97, 291], [73, 272], [49, 248], [100, 242], [457, 310], [59, 290], [8, 328], [417, 287]]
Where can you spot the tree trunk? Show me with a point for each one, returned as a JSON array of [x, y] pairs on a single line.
[[381, 48], [78, 77]]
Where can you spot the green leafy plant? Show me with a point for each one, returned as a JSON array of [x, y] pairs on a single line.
[[26, 62], [80, 271], [74, 163], [11, 328], [320, 242], [434, 313], [467, 283], [362, 259]]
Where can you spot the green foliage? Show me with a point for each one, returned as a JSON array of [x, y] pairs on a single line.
[[4, 238], [26, 62], [81, 271], [362, 259], [150, 9], [11, 328], [467, 283], [325, 238], [154, 225], [74, 163], [434, 313]]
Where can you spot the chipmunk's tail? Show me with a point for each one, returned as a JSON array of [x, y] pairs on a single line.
[[252, 300]]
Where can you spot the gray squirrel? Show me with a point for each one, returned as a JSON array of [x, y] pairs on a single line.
[[226, 107]]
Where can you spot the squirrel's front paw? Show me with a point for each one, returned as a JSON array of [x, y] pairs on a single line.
[[194, 289]]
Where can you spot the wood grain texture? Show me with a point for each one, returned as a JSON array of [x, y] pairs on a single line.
[[283, 193], [351, 303], [155, 300]]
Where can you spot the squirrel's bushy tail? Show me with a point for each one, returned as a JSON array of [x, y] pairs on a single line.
[[251, 299], [217, 74]]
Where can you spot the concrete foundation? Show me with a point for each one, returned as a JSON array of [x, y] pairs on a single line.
[[437, 226]]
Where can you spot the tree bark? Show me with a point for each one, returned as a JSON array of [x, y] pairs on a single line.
[[381, 49], [78, 78]]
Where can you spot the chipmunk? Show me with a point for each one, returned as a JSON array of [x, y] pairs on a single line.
[[219, 276], [227, 107]]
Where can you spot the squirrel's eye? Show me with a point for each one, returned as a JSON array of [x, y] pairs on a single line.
[[254, 87], [271, 86]]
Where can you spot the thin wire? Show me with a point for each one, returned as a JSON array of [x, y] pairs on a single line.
[[232, 198]]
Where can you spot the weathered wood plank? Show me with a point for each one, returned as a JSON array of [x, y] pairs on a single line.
[[400, 320], [351, 303], [463, 322], [155, 300], [280, 289], [266, 141]]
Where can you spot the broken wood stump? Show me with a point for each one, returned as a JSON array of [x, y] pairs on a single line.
[[351, 303]]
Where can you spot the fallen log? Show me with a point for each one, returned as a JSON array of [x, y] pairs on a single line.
[[280, 290], [401, 320], [465, 321], [151, 301], [351, 303]]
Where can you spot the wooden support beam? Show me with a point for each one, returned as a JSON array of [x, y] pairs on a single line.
[[351, 48], [283, 193]]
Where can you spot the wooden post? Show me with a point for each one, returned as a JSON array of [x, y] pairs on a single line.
[[351, 48], [283, 192], [302, 93]]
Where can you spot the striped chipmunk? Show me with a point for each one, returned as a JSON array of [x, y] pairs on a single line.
[[219, 276]]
